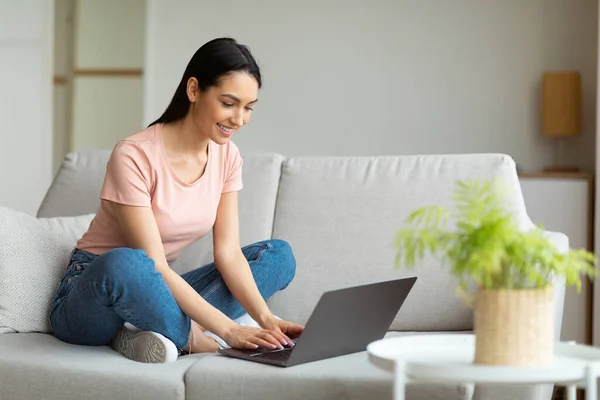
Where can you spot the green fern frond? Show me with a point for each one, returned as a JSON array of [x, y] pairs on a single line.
[[486, 246]]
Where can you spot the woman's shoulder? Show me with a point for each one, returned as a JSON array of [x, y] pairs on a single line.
[[228, 153], [145, 137], [229, 166], [142, 144]]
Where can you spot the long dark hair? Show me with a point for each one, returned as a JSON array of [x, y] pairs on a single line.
[[210, 62]]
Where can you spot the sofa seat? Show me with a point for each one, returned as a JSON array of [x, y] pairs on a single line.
[[39, 366], [350, 377], [46, 368], [346, 377]]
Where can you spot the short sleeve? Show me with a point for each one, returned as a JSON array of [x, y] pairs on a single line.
[[233, 177], [128, 176]]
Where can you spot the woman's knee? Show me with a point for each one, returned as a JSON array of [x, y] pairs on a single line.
[[125, 263], [285, 262]]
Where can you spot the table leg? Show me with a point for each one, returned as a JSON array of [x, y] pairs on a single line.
[[466, 391], [399, 380], [572, 392], [591, 389]]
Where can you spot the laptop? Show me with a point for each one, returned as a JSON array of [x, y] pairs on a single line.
[[344, 321]]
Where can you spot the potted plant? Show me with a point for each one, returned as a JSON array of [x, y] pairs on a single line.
[[511, 270]]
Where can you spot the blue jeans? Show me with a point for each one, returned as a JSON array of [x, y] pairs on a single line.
[[99, 293]]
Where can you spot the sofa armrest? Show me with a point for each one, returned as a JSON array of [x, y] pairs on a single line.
[[561, 241]]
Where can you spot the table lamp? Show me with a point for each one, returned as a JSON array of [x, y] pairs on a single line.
[[561, 111]]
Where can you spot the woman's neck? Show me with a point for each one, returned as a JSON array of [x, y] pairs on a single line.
[[183, 137]]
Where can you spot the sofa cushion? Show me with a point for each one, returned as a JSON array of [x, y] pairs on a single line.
[[39, 366], [33, 255], [350, 377], [76, 189], [341, 214]]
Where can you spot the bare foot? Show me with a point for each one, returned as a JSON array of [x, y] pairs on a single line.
[[199, 342]]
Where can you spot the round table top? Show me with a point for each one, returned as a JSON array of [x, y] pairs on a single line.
[[449, 358]]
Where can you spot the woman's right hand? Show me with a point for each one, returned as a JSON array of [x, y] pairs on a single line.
[[247, 337]]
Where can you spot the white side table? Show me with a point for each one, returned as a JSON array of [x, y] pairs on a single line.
[[448, 358]]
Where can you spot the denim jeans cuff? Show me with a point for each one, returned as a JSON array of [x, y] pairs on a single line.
[[185, 339]]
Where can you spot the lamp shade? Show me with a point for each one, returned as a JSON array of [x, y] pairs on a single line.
[[561, 104]]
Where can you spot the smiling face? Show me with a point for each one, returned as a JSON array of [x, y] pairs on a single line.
[[221, 110]]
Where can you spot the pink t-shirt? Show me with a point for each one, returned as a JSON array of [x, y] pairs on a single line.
[[139, 174]]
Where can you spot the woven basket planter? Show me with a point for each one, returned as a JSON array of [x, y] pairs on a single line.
[[514, 327]]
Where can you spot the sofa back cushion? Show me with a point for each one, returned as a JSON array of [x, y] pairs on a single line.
[[33, 258], [341, 214], [76, 187]]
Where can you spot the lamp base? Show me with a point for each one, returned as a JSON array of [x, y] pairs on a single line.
[[561, 168]]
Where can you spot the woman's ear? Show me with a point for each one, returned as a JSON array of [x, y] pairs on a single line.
[[192, 89]]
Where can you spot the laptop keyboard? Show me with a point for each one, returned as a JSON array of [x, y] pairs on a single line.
[[276, 355]]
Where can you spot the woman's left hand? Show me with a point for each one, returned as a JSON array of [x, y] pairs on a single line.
[[286, 329]]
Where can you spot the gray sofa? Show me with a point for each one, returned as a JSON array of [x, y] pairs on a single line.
[[340, 215]]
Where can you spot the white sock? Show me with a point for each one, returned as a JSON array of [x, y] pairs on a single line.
[[131, 327]]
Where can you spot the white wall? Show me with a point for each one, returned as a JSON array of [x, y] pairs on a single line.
[[26, 31], [351, 77]]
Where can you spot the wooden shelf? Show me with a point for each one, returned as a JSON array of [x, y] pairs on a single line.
[[557, 175], [108, 72], [60, 80]]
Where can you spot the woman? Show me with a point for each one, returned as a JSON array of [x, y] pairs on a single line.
[[165, 187]]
